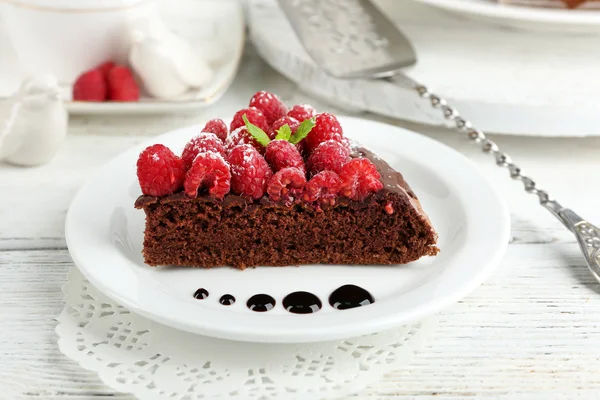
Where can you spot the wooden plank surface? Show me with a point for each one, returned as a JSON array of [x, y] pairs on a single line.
[[530, 332]]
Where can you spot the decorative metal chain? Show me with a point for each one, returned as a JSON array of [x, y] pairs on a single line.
[[488, 146]]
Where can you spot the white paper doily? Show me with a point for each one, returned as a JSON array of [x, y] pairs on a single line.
[[135, 355]]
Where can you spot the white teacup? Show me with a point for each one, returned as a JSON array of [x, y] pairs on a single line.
[[67, 37]]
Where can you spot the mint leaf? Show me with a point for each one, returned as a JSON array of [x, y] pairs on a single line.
[[257, 133], [284, 133], [303, 130]]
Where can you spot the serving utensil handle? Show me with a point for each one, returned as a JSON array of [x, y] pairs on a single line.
[[588, 235]]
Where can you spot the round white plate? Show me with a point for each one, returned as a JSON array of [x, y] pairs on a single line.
[[104, 234], [215, 28], [559, 19]]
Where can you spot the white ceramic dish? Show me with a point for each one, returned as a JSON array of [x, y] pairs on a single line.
[[104, 234], [200, 22], [529, 18]]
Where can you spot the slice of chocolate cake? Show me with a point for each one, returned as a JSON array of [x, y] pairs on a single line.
[[311, 199]]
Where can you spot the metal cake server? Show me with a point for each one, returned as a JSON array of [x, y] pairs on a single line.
[[354, 39]]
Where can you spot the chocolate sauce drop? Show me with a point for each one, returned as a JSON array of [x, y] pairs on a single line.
[[302, 303], [260, 303], [350, 296], [227, 300], [201, 294]]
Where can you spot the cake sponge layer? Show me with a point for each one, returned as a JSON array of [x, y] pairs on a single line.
[[204, 232]]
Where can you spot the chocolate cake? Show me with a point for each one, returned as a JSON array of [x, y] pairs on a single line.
[[216, 213]]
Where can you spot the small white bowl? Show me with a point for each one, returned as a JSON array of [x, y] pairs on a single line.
[[66, 37]]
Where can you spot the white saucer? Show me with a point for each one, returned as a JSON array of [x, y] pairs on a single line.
[[104, 234], [199, 22]]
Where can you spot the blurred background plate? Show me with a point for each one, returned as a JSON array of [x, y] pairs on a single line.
[[504, 80], [215, 28], [529, 18]]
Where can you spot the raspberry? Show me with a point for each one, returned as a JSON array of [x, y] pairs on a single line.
[[281, 154], [286, 184], [291, 122], [269, 104], [242, 136], [346, 142], [90, 86], [328, 156], [254, 115], [359, 178], [250, 173], [326, 128], [218, 127], [209, 170], [121, 85], [159, 171], [389, 208], [323, 187], [301, 148], [105, 67], [202, 143], [301, 112]]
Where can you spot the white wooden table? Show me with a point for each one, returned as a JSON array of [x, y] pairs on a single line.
[[532, 331]]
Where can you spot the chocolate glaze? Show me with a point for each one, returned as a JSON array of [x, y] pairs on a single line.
[[392, 180], [227, 300], [260, 303], [343, 298], [201, 294], [350, 296], [302, 303]]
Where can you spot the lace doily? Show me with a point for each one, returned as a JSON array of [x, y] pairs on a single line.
[[135, 355]]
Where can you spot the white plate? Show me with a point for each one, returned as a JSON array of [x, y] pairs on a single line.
[[201, 22], [104, 234], [524, 17]]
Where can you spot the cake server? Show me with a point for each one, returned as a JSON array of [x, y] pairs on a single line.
[[354, 39]]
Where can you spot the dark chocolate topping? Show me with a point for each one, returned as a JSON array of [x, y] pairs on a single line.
[[350, 296], [227, 300], [201, 294], [261, 302], [392, 180], [302, 303]]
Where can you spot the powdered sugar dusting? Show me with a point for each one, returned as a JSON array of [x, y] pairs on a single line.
[[354, 146], [249, 153], [199, 141], [235, 135], [200, 144], [302, 112], [205, 134], [214, 155]]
